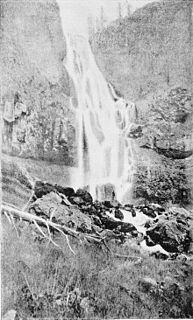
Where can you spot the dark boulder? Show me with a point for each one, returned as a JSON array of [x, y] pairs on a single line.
[[99, 207], [111, 224], [119, 214], [89, 209], [148, 224], [108, 222], [128, 228], [85, 195], [147, 284], [133, 212], [112, 204], [170, 234], [42, 188], [148, 211], [67, 191]]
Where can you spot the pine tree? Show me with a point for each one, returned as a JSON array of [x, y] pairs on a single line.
[[190, 36], [119, 10], [128, 10], [97, 23], [102, 19], [91, 26]]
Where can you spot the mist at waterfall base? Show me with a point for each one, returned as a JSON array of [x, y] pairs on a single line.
[[102, 123]]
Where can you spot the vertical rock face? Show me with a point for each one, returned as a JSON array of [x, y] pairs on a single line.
[[36, 90]]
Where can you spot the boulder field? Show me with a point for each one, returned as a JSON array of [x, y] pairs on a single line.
[[152, 224]]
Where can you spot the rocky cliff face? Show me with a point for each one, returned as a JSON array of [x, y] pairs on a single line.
[[36, 90], [148, 57], [165, 146]]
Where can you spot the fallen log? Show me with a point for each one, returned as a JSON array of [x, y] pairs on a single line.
[[13, 212], [26, 216]]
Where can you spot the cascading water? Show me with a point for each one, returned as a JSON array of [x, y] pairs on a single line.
[[103, 124], [104, 152]]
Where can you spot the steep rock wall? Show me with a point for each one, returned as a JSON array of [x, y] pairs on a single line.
[[36, 90]]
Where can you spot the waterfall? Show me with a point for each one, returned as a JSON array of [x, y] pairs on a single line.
[[104, 151]]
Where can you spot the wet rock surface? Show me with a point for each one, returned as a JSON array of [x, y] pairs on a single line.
[[77, 209], [171, 232], [171, 228]]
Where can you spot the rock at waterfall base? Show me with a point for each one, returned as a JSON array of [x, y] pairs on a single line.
[[171, 234], [85, 195], [50, 206], [118, 214]]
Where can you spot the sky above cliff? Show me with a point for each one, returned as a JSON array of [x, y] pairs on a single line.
[[76, 12]]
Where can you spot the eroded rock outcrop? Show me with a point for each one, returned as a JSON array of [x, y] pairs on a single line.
[[167, 140], [36, 90], [172, 231]]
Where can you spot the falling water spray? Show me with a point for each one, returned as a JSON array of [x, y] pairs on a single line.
[[104, 151]]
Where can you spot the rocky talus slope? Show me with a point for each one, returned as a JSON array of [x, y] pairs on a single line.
[[151, 225]]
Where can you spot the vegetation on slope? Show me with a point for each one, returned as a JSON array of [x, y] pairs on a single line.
[[149, 50], [40, 280]]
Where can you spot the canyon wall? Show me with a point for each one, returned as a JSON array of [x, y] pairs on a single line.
[[36, 90]]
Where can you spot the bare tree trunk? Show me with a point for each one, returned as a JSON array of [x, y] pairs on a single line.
[[190, 35]]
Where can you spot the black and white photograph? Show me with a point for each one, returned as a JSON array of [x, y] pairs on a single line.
[[96, 159]]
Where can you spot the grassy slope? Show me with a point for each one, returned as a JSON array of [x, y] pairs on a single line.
[[17, 192], [39, 280]]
